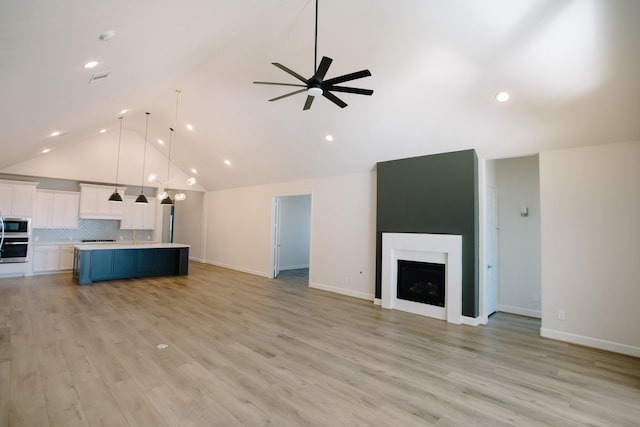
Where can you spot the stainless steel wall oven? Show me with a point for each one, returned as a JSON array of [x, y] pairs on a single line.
[[15, 234]]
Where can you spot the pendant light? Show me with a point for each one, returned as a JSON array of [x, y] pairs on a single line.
[[166, 200], [141, 198], [115, 197]]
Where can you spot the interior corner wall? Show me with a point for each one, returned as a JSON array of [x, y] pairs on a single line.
[[590, 199], [342, 253], [436, 194], [518, 184], [187, 222]]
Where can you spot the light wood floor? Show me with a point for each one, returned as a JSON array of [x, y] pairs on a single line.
[[245, 350]]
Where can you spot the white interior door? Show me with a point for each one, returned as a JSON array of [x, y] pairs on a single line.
[[276, 237], [491, 283]]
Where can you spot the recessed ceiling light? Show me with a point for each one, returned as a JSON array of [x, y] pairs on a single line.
[[189, 127], [227, 162], [91, 64], [161, 142], [152, 177], [502, 97], [103, 130], [194, 170], [55, 133], [191, 181], [329, 138], [46, 150], [123, 111]]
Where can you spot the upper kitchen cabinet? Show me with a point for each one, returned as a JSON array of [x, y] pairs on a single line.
[[138, 216], [95, 204], [17, 198], [56, 209]]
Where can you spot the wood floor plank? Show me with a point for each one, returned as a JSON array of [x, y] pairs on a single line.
[[99, 405], [245, 350], [5, 392]]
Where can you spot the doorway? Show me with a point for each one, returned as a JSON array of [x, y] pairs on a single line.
[[512, 236], [491, 278], [291, 231]]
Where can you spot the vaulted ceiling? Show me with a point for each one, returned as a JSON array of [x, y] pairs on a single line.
[[570, 66]]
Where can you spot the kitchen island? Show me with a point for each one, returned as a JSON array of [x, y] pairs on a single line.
[[111, 261]]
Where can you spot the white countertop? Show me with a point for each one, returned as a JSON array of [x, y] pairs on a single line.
[[141, 245]]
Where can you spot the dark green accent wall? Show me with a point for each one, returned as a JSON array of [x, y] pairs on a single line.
[[436, 194]]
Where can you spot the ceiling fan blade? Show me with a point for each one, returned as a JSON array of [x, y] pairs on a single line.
[[289, 71], [331, 97], [279, 84], [289, 94], [350, 90], [323, 68], [308, 102], [348, 77]]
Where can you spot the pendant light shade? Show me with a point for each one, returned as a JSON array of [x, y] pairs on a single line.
[[141, 197], [115, 196]]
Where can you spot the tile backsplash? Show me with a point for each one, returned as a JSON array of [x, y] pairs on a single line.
[[92, 229]]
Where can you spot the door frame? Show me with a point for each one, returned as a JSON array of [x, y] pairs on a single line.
[[274, 260]]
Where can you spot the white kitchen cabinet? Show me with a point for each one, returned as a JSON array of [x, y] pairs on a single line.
[[66, 257], [138, 216], [52, 258], [95, 204], [56, 209], [17, 198], [46, 258]]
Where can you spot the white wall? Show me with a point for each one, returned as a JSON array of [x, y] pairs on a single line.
[[590, 201], [342, 257], [295, 231], [517, 181], [187, 223], [95, 161]]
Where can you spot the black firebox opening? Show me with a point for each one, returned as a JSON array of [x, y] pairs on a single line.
[[421, 282]]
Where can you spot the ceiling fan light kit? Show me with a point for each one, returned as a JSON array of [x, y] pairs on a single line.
[[316, 85]]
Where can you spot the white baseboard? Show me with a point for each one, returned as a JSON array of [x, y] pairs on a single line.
[[520, 311], [200, 260], [342, 291], [377, 301], [590, 342], [235, 267]]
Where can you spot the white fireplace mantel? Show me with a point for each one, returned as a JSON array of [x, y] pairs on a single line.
[[436, 248]]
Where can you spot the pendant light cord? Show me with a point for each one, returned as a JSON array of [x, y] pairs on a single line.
[[144, 155], [166, 187], [118, 160]]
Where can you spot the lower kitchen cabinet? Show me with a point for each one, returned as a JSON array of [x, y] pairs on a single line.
[[52, 258]]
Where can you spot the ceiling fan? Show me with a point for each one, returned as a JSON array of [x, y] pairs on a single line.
[[316, 85]]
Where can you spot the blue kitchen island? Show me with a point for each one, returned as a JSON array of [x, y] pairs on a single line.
[[111, 261]]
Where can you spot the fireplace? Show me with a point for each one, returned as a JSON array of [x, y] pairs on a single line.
[[421, 282], [420, 249]]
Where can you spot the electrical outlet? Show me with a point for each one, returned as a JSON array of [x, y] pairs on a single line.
[[562, 315]]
